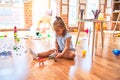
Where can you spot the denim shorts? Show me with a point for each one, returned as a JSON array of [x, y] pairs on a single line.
[[69, 49]]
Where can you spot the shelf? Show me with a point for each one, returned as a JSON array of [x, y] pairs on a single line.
[[116, 7], [115, 2], [116, 12]]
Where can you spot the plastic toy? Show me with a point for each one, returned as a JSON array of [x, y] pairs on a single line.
[[48, 35], [78, 42], [84, 52], [15, 35], [38, 34], [52, 56], [97, 25], [18, 39], [1, 37], [96, 13], [6, 53], [41, 61], [15, 32], [19, 49], [75, 30], [16, 48], [86, 31], [116, 52], [117, 35]]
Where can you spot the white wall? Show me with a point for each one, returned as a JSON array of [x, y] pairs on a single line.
[[38, 9], [91, 5]]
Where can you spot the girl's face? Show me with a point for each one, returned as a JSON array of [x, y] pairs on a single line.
[[59, 31]]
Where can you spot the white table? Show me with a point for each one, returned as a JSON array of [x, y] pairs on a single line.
[[93, 37]]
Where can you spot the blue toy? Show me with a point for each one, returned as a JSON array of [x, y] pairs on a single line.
[[116, 52], [6, 53]]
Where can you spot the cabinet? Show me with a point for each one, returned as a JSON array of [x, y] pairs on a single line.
[[116, 9], [115, 13]]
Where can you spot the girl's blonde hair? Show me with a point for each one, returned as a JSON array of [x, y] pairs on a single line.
[[59, 23]]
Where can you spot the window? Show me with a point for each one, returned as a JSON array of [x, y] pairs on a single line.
[[73, 10], [11, 14], [39, 9]]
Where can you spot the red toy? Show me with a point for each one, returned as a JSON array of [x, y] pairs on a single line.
[[41, 61], [86, 31]]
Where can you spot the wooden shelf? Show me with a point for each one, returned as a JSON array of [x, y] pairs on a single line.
[[115, 13], [116, 9], [115, 2]]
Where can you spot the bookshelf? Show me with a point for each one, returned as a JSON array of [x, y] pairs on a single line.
[[115, 14], [116, 9]]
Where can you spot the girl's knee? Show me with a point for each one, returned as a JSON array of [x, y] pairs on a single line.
[[72, 56], [52, 50]]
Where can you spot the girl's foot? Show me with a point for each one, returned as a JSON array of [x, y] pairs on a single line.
[[35, 56]]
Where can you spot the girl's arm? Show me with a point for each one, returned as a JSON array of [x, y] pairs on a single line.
[[56, 45], [67, 45]]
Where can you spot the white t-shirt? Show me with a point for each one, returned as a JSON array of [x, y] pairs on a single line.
[[61, 41]]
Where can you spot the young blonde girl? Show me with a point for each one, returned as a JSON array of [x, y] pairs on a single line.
[[63, 43]]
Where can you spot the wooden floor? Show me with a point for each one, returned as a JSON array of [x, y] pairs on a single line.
[[104, 65]]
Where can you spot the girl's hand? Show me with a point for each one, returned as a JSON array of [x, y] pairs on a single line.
[[59, 56], [56, 50]]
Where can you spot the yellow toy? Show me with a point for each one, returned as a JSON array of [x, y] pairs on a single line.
[[75, 30], [97, 25], [117, 35], [16, 39], [84, 52]]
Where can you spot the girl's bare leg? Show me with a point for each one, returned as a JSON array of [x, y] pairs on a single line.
[[69, 55], [46, 53]]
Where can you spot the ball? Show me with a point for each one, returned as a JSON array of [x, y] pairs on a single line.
[[84, 52], [116, 52]]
